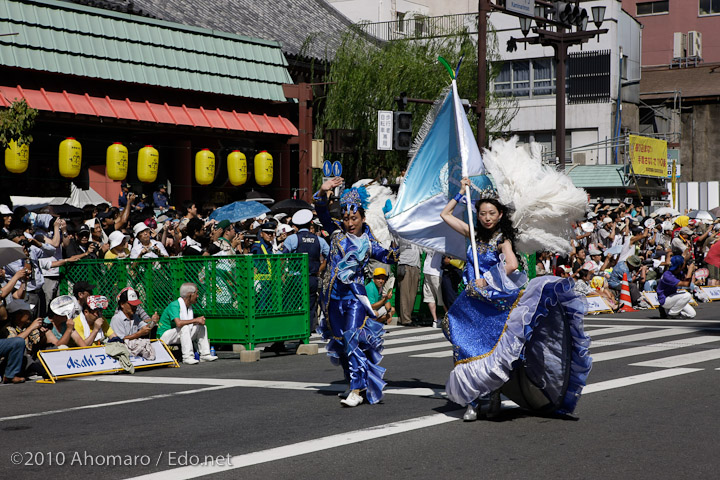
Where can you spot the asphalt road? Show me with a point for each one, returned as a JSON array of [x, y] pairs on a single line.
[[648, 412]]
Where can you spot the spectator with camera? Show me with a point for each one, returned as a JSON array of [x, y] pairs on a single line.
[[635, 271], [60, 325], [193, 243], [90, 324], [21, 325], [34, 286], [675, 303], [80, 245], [126, 323], [145, 246], [229, 239]]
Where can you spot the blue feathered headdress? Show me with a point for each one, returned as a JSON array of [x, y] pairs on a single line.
[[354, 198]]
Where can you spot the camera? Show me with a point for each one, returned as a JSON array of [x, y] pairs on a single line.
[[25, 243], [46, 323]]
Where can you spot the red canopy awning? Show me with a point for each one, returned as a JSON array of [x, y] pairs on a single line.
[[147, 112]]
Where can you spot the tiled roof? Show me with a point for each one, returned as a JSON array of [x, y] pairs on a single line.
[[596, 176], [691, 82], [62, 37], [303, 27], [127, 109]]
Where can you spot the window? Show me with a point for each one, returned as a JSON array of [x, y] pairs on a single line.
[[709, 7], [400, 21], [526, 78], [419, 26], [652, 8]]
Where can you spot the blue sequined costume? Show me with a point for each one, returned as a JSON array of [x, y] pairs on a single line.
[[529, 342], [355, 338]]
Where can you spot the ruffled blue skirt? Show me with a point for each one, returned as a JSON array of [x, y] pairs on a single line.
[[355, 343], [531, 345]]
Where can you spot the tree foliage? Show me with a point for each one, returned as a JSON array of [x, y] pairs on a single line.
[[367, 77], [16, 122]]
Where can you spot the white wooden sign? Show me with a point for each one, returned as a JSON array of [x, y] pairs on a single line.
[[597, 304], [713, 292], [651, 298], [72, 362], [385, 130]]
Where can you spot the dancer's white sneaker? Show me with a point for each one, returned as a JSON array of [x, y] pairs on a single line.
[[470, 414], [352, 400]]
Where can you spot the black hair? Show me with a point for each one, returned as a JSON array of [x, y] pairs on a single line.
[[193, 226], [582, 273], [187, 205], [504, 225]]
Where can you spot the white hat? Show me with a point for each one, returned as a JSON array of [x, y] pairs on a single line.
[[591, 215], [587, 227], [302, 217], [284, 228], [607, 220], [117, 238], [667, 226], [140, 227], [594, 251], [63, 305], [4, 210]]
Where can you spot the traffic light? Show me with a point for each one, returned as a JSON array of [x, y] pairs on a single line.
[[402, 131]]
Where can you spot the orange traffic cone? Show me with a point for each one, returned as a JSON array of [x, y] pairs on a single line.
[[625, 300]]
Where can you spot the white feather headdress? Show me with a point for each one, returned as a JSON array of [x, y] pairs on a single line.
[[544, 201]]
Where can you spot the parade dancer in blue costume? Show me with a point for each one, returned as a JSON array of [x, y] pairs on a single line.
[[355, 338], [530, 343]]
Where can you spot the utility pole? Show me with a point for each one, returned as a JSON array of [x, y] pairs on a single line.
[[483, 11], [561, 15]]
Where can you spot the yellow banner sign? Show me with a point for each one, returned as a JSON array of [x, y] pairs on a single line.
[[648, 156]]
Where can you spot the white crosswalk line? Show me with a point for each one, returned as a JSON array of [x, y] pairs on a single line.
[[641, 337], [415, 348], [609, 330], [410, 337], [654, 348], [635, 379], [443, 354], [681, 360]]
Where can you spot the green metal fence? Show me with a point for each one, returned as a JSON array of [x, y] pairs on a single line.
[[246, 299]]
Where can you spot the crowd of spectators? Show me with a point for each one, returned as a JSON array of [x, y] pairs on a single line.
[[653, 252], [142, 227]]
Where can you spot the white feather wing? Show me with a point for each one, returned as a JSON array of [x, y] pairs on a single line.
[[544, 200], [374, 215]]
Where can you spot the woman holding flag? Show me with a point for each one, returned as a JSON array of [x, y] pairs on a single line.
[[504, 336], [527, 341]]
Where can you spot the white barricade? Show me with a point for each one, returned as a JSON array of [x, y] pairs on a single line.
[[597, 304], [79, 361]]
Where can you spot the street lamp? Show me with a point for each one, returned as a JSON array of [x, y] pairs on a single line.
[[525, 23], [557, 32], [598, 14]]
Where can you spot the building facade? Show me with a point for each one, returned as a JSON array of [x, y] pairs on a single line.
[[102, 77]]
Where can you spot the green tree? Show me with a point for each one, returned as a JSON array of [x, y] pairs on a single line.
[[16, 122], [366, 77]]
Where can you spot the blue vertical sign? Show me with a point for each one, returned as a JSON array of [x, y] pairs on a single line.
[[336, 169], [327, 168]]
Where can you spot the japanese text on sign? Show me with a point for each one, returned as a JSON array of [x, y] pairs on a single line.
[[648, 156]]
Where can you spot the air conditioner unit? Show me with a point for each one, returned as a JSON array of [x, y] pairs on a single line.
[[694, 44], [679, 44], [579, 158]]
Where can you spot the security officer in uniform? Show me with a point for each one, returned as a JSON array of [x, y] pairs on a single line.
[[317, 250]]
